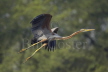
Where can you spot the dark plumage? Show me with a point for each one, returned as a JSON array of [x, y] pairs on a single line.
[[51, 45], [37, 19], [40, 27]]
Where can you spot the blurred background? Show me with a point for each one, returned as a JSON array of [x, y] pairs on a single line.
[[85, 52]]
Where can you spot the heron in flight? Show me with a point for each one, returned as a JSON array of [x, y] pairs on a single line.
[[45, 35]]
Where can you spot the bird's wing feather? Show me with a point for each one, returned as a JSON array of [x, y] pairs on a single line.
[[55, 30], [41, 25]]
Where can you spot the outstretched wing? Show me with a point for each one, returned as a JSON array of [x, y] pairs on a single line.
[[41, 25]]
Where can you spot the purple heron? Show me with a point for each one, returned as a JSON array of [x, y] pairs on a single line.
[[45, 35]]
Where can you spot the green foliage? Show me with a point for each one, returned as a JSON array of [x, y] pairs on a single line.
[[86, 52]]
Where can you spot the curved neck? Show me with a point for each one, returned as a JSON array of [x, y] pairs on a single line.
[[70, 36]]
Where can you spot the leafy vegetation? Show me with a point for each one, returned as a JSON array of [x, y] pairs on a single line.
[[86, 52]]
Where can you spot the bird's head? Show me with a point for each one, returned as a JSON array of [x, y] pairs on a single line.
[[85, 30]]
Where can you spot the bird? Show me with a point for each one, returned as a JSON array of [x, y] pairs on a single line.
[[45, 35]]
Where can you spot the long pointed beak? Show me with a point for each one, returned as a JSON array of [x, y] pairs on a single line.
[[85, 30]]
